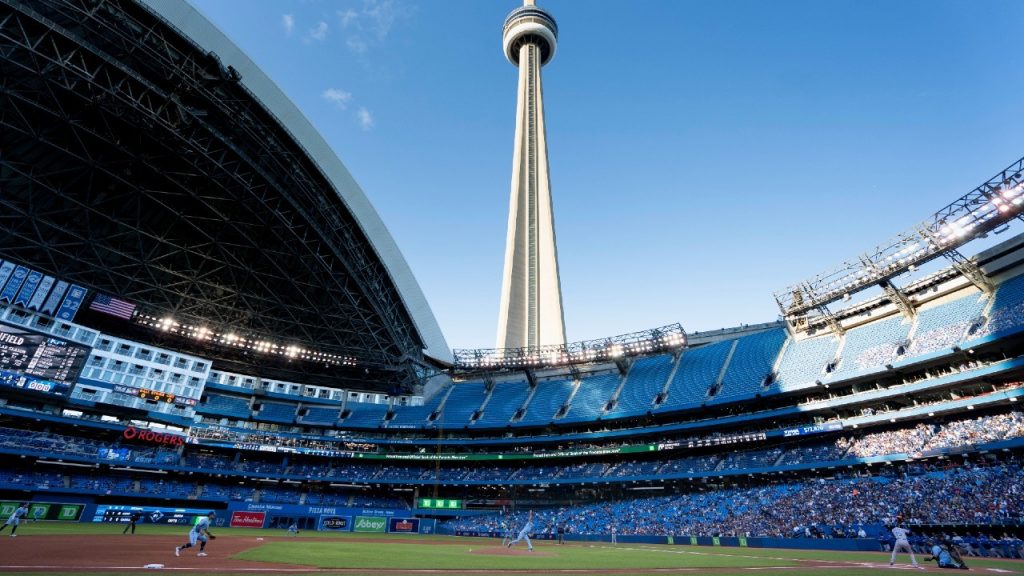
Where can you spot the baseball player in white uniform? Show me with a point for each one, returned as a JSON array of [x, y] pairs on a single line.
[[200, 532], [901, 545], [15, 519], [524, 534]]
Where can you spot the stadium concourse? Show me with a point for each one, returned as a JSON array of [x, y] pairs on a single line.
[[155, 370]]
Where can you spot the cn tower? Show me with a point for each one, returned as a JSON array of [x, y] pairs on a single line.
[[531, 294]]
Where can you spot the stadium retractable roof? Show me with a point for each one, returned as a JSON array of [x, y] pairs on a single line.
[[144, 155]]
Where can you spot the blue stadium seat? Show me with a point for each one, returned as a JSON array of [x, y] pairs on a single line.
[[416, 416], [803, 362], [944, 325], [645, 381], [506, 399], [697, 372], [872, 345], [1007, 312], [752, 360], [222, 405], [275, 412], [365, 415], [549, 397], [591, 398], [326, 416], [464, 400]]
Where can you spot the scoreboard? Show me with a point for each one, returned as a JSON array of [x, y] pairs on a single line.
[[37, 362], [150, 514], [439, 503], [154, 395]]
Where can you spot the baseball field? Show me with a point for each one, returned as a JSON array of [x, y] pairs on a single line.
[[102, 549]]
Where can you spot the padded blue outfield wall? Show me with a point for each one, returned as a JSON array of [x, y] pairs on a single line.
[[842, 544], [333, 518]]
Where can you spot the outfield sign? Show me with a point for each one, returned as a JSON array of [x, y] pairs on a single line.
[[439, 503], [404, 525], [334, 523], [44, 511], [247, 519], [370, 524], [151, 514]]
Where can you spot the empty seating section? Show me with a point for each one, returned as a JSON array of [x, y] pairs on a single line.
[[506, 398], [645, 381], [222, 405], [464, 400], [379, 501], [274, 412], [321, 415], [591, 397], [751, 362], [546, 401], [803, 362], [944, 325], [365, 415], [872, 345], [416, 416], [279, 495], [32, 480], [1008, 308], [698, 370]]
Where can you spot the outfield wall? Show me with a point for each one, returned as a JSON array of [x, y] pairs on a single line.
[[843, 544]]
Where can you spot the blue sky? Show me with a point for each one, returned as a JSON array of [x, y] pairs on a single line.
[[703, 153]]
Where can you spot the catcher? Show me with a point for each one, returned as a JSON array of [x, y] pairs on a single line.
[[200, 532]]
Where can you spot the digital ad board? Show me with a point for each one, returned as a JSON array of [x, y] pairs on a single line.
[[39, 363], [52, 511], [152, 514]]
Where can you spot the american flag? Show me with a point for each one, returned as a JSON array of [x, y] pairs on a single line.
[[112, 306]]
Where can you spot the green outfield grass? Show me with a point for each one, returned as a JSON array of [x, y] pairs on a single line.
[[326, 551]]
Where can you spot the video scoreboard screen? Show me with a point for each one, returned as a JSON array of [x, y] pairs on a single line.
[[149, 514], [437, 503], [37, 362], [154, 395]]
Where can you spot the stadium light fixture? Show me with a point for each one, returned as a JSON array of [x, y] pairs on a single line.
[[989, 206], [665, 338]]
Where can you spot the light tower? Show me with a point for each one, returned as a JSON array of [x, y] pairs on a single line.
[[531, 294]]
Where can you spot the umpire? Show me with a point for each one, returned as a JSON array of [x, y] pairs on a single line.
[[135, 517]]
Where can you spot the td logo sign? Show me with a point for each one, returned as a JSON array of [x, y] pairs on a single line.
[[370, 524]]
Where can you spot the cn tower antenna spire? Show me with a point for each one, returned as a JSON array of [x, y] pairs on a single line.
[[531, 292]]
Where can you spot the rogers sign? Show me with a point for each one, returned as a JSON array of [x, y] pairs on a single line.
[[133, 433]]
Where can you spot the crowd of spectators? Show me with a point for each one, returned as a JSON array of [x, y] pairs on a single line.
[[910, 441], [977, 495]]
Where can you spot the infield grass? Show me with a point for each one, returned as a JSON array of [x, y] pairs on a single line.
[[323, 552]]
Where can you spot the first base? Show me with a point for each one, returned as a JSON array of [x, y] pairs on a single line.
[[153, 566]]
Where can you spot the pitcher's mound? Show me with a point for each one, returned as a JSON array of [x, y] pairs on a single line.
[[502, 551]]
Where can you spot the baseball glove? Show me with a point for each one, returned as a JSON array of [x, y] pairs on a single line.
[[212, 537]]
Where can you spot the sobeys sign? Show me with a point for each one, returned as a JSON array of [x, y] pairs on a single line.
[[369, 524]]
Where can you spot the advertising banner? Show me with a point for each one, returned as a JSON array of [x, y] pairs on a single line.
[[244, 519], [336, 523], [404, 525], [370, 524], [45, 511]]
